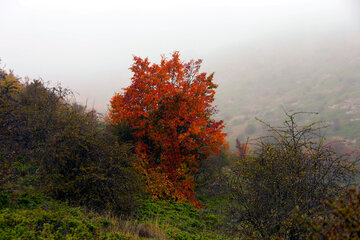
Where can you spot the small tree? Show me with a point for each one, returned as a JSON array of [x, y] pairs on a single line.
[[290, 169], [168, 107]]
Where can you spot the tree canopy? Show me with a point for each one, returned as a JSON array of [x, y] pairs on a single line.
[[169, 108]]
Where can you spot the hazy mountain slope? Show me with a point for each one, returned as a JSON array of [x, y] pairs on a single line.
[[314, 74]]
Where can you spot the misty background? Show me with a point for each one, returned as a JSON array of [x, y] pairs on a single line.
[[267, 55]]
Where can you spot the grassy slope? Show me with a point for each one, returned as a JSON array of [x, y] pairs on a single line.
[[24, 216]]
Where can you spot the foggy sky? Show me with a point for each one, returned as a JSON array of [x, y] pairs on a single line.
[[88, 45]]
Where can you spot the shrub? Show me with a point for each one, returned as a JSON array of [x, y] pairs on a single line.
[[341, 221], [291, 168], [62, 149]]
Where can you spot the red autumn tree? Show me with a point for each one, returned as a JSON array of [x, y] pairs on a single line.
[[168, 106]]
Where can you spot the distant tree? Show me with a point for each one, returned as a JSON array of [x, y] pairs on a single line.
[[168, 107], [290, 169]]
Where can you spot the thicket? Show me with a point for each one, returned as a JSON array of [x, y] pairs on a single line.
[[63, 150], [288, 173]]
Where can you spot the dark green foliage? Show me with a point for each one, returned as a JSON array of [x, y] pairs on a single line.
[[5, 198], [210, 169], [290, 169], [123, 131], [17, 200], [6, 172], [61, 149]]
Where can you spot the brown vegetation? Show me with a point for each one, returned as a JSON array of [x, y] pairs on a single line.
[[289, 169]]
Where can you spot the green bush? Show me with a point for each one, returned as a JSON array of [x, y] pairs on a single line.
[[61, 149]]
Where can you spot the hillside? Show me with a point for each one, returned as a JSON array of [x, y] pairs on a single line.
[[67, 174], [309, 74]]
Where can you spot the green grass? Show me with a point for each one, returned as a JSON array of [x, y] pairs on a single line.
[[181, 220], [24, 216], [31, 216]]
